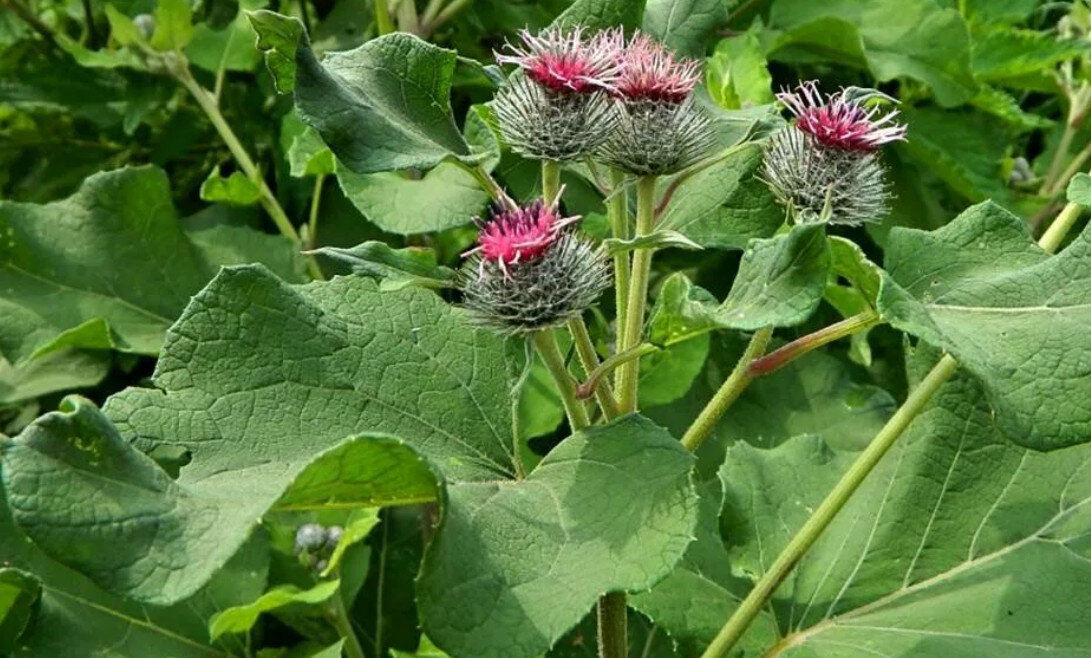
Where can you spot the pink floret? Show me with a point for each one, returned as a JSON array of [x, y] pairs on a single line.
[[565, 61], [651, 72], [840, 120], [512, 236]]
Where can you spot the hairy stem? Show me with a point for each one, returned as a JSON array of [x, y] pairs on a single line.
[[617, 207], [339, 616], [783, 355], [604, 394], [629, 373], [546, 344], [729, 391], [551, 181], [813, 528], [268, 199], [613, 626], [610, 365]]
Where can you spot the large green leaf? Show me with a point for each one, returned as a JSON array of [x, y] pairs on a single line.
[[110, 266], [1002, 52], [684, 25], [515, 565], [891, 38], [63, 370], [958, 544], [75, 619], [258, 370], [1017, 319], [241, 618], [379, 107], [780, 280], [725, 205], [961, 148], [117, 517], [444, 197], [693, 601]]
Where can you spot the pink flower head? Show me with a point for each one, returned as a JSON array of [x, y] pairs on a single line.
[[651, 72], [840, 120], [516, 235], [564, 61]]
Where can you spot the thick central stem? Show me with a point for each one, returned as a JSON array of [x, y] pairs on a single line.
[[617, 208], [638, 294]]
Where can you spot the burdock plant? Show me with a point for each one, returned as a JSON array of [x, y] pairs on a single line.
[[825, 167]]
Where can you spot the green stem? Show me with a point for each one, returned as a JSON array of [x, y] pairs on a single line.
[[824, 515], [613, 626], [340, 618], [813, 528], [729, 391], [1076, 109], [551, 181], [312, 220], [629, 373], [546, 344], [604, 394], [448, 13], [1075, 167], [384, 24], [484, 179], [1060, 226], [617, 207], [781, 356], [610, 364], [268, 199]]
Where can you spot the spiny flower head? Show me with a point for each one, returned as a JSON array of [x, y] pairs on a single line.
[[514, 235], [541, 124], [529, 273], [840, 120], [651, 72], [817, 183], [566, 61]]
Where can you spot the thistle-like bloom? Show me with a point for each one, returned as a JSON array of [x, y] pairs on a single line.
[[826, 167], [822, 184], [660, 129], [530, 272], [650, 72], [565, 61], [840, 120]]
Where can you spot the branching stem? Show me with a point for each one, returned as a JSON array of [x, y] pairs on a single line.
[[729, 391], [604, 393], [617, 207], [813, 528], [638, 293]]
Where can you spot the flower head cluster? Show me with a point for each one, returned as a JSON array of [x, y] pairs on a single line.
[[530, 272], [826, 167], [566, 61], [660, 130], [841, 120]]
